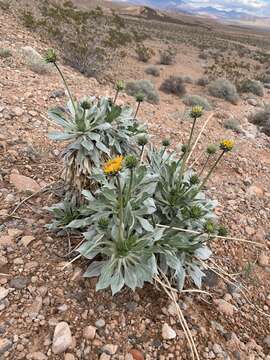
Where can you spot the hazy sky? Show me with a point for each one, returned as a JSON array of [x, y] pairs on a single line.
[[258, 6], [255, 7]]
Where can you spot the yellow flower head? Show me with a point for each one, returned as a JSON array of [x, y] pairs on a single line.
[[196, 111], [226, 145], [113, 166]]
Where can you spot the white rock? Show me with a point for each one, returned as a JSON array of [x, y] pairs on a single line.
[[89, 332], [62, 338], [110, 349], [264, 260], [104, 357], [167, 332], [224, 307], [3, 293], [26, 240]]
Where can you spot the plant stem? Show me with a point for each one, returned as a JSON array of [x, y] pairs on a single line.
[[141, 154], [116, 96], [137, 110], [66, 86], [130, 185], [121, 214], [188, 149], [210, 171], [205, 164]]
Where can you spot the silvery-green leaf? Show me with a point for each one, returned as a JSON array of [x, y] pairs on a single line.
[[145, 224], [196, 275], [79, 223], [130, 277], [87, 144], [102, 147], [60, 136], [88, 195], [203, 253], [117, 282], [94, 269], [181, 275], [105, 277]]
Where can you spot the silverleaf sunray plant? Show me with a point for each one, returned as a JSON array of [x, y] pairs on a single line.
[[141, 196], [96, 129]]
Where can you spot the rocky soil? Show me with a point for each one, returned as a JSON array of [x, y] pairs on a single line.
[[47, 310]]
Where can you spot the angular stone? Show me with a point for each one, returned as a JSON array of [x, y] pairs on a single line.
[[136, 354], [5, 345], [110, 349], [224, 307], [3, 293], [26, 240], [264, 260], [6, 240], [62, 338], [89, 332], [38, 356], [24, 183], [167, 332], [35, 307], [19, 282]]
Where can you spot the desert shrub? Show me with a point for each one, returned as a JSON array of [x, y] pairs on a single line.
[[252, 86], [144, 87], [28, 19], [35, 62], [194, 100], [232, 124], [4, 5], [174, 85], [264, 78], [203, 81], [224, 89], [167, 57], [144, 53], [261, 118], [188, 80], [5, 53], [152, 70]]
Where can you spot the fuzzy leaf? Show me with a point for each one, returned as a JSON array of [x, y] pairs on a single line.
[[94, 269], [145, 224]]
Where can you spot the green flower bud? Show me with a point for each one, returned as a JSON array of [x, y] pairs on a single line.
[[86, 105], [103, 223], [211, 149], [222, 231], [195, 212], [166, 142], [142, 140], [131, 161], [194, 179], [209, 227], [50, 56], [119, 85], [184, 148], [196, 111], [140, 97]]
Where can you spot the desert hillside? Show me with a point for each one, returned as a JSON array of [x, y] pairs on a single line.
[[49, 310]]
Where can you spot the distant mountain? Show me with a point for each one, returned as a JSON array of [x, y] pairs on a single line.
[[207, 11]]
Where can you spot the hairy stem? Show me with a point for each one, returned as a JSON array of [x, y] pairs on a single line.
[[137, 110], [116, 96], [66, 86], [130, 185], [210, 171], [185, 157], [121, 210], [205, 164]]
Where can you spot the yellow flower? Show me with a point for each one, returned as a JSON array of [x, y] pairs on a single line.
[[113, 166], [226, 145]]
